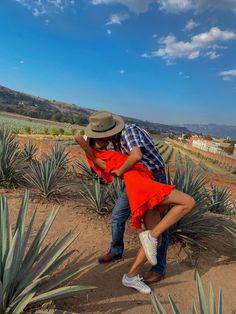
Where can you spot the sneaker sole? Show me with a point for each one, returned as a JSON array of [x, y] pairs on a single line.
[[127, 286], [141, 238]]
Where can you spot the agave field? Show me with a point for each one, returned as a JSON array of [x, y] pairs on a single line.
[[19, 124], [33, 271]]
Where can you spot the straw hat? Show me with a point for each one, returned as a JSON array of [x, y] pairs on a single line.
[[103, 124]]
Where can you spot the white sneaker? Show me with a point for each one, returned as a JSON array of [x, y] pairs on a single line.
[[136, 283], [150, 247]]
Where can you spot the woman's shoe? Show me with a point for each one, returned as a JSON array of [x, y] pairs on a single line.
[[136, 283], [149, 246]]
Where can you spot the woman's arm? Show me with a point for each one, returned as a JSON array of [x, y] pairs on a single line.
[[89, 151]]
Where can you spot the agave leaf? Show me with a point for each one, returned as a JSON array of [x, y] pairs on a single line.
[[46, 261], [211, 301], [60, 293], [23, 303], [173, 306], [194, 308], [221, 303], [52, 311], [20, 223], [59, 279], [158, 308], [201, 295]]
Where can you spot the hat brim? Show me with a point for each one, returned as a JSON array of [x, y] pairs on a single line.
[[117, 129]]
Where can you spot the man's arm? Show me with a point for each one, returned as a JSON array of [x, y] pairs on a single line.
[[134, 157], [89, 151]]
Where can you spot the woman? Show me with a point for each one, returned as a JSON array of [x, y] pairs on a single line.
[[147, 199]]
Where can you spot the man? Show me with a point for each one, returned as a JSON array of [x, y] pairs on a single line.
[[136, 142]]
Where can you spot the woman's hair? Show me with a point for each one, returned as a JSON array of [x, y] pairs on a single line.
[[91, 141]]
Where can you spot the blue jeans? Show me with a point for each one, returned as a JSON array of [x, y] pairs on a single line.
[[120, 215]]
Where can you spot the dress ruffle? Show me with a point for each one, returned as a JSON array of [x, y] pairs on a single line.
[[143, 192]]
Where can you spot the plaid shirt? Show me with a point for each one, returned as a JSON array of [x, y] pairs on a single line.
[[133, 136]]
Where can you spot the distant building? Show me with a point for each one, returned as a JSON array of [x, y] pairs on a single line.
[[205, 144]]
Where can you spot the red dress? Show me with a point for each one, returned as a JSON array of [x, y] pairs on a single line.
[[143, 192]]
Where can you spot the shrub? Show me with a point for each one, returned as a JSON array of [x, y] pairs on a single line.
[[61, 131], [84, 168], [114, 190], [46, 131], [220, 200], [197, 224], [206, 305], [45, 176], [59, 155], [55, 132], [9, 153], [29, 151], [97, 198], [28, 130], [26, 268]]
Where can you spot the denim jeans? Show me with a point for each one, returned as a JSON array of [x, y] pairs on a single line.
[[120, 215]]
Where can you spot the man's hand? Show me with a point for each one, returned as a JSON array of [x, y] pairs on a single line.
[[116, 173]]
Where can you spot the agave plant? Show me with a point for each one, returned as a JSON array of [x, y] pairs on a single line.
[[197, 224], [97, 198], [9, 153], [220, 200], [46, 176], [114, 190], [206, 305], [83, 166], [178, 159], [29, 151], [58, 155], [232, 232], [26, 263]]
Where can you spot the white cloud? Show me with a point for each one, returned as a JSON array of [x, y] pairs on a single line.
[[186, 77], [203, 5], [136, 6], [42, 7], [175, 6], [201, 44], [172, 6], [228, 75], [212, 55], [108, 31], [190, 25], [117, 19]]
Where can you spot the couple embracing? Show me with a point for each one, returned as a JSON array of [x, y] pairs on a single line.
[[146, 195]]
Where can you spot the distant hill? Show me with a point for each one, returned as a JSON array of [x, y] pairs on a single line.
[[37, 107], [213, 129]]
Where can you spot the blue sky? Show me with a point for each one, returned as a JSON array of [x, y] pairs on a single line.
[[167, 61]]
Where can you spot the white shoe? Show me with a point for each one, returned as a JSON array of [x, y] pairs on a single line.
[[136, 283], [150, 247]]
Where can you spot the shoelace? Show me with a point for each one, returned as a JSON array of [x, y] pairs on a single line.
[[139, 282]]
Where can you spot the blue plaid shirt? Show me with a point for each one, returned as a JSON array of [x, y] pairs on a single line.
[[133, 136]]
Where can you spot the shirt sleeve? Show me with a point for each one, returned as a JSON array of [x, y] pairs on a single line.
[[134, 137]]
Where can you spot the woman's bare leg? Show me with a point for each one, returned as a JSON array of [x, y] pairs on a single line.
[[151, 219], [183, 204]]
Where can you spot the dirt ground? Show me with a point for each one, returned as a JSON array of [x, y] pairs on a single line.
[[216, 265]]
